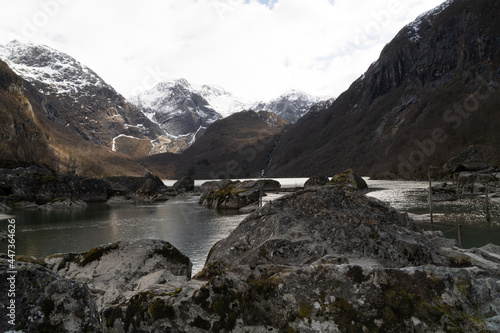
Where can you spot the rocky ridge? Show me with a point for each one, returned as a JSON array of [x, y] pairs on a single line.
[[36, 186]]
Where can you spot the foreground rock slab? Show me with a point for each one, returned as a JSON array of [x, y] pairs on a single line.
[[46, 302], [115, 272], [325, 260]]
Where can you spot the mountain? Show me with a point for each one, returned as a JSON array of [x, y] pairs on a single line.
[[433, 92], [28, 135], [184, 111], [74, 96], [238, 146], [290, 106]]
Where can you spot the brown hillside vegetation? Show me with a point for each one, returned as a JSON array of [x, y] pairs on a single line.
[[234, 147], [28, 135]]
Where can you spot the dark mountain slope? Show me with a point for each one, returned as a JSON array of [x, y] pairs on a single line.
[[72, 95], [433, 92], [28, 135], [237, 146]]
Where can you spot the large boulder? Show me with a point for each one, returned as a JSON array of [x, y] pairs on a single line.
[[323, 222], [40, 185], [185, 184], [153, 189], [323, 260], [232, 195], [44, 301], [348, 181], [114, 272], [317, 180]]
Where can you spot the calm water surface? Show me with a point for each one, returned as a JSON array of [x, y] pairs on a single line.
[[411, 197], [191, 228], [194, 229]]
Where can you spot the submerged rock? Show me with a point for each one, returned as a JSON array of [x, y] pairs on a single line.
[[45, 302], [64, 204]]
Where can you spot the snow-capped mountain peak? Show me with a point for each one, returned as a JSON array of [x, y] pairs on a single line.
[[290, 105], [60, 73]]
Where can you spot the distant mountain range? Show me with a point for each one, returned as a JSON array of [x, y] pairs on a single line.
[[184, 110]]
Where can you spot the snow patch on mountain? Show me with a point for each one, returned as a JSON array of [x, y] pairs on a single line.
[[60, 73], [290, 106], [414, 27]]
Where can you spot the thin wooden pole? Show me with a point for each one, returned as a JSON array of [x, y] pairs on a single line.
[[260, 195], [430, 195], [488, 218], [460, 236]]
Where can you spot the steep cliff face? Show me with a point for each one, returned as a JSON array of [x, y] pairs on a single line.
[[431, 94], [20, 136]]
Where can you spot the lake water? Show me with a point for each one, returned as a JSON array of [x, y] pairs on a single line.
[[194, 229]]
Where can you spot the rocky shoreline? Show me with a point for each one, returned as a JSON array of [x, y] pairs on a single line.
[[36, 186], [321, 259]]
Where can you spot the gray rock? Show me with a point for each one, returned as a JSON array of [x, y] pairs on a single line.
[[116, 271], [46, 302], [4, 207], [185, 184], [153, 190], [303, 227], [349, 181], [64, 204], [212, 186], [316, 181], [230, 195], [323, 260]]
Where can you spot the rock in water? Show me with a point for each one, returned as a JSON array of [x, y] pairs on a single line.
[[348, 181], [116, 271], [46, 302], [185, 184], [316, 181], [230, 195]]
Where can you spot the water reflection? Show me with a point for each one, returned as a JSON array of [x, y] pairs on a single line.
[[189, 227]]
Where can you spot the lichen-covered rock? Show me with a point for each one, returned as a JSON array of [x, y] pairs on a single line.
[[325, 260], [116, 271], [185, 184], [45, 302], [303, 227], [317, 180], [348, 181], [231, 195]]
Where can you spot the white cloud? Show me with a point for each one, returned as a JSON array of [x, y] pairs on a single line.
[[248, 47]]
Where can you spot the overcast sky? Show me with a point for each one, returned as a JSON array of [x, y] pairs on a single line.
[[255, 49]]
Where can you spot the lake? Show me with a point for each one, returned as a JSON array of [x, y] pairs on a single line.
[[194, 229]]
